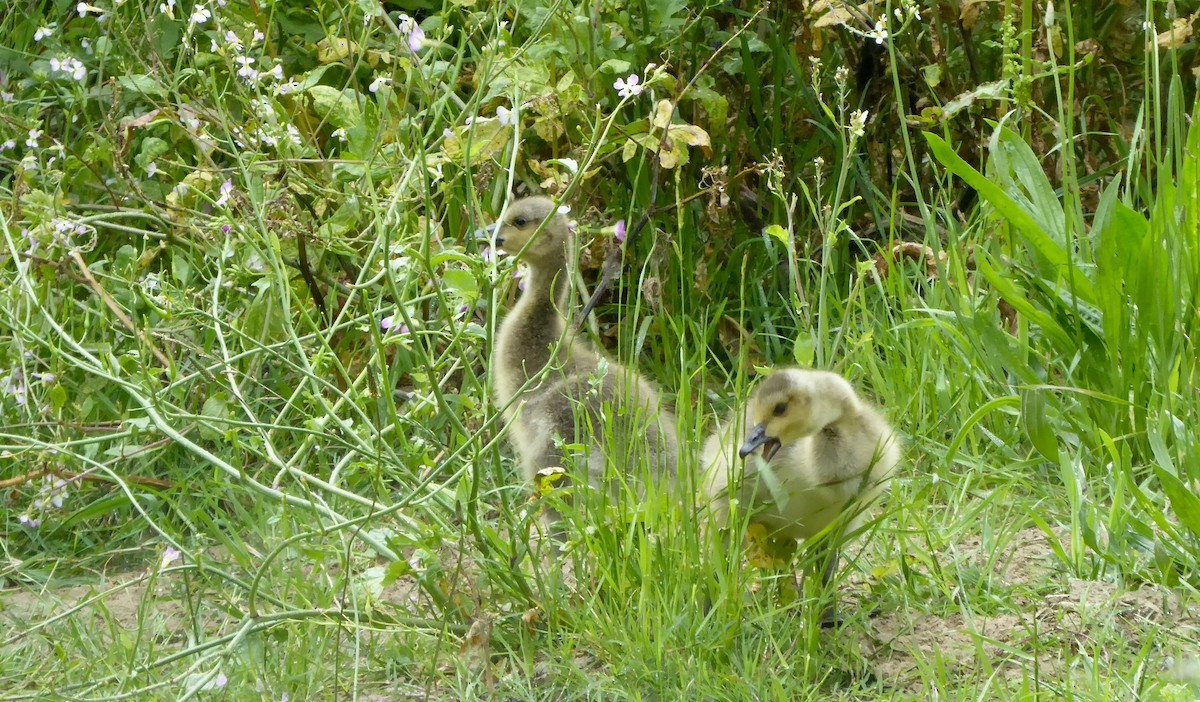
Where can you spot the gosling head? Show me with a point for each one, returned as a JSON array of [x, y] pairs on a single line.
[[522, 220], [790, 405]]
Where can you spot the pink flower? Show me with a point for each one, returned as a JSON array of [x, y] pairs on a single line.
[[629, 86], [388, 325], [619, 231]]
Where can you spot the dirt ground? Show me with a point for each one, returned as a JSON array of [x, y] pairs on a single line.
[[1040, 621]]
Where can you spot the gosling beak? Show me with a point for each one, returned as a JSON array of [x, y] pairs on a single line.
[[758, 437]]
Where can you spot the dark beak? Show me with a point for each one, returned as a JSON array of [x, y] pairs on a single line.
[[758, 438]]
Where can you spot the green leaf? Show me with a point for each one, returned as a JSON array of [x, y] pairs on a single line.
[[1052, 258], [461, 282], [804, 350], [615, 66], [181, 269], [142, 84], [1019, 299], [1037, 428], [1019, 171], [778, 232], [1183, 501], [341, 108]]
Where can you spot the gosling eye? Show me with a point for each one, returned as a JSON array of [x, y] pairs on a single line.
[[520, 222], [779, 409]]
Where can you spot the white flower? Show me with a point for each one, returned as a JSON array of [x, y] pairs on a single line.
[[416, 39], [226, 189], [629, 86], [167, 8], [200, 15], [413, 32], [858, 122], [880, 33], [246, 71], [258, 36], [6, 96], [232, 41], [43, 32], [169, 556], [277, 72], [69, 65], [506, 116], [31, 141], [152, 169], [293, 133], [9, 144], [379, 82]]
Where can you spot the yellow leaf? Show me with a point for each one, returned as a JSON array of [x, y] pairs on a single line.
[[662, 113], [835, 12], [672, 156], [690, 134], [629, 150], [334, 49], [547, 478]]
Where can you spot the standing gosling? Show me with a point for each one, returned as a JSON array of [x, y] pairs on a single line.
[[582, 397], [829, 452]]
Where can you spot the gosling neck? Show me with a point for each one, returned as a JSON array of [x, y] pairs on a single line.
[[538, 318], [546, 287]]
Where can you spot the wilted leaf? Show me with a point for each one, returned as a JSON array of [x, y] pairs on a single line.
[[662, 113], [1177, 35], [476, 652], [833, 13], [690, 134], [629, 150], [986, 91], [969, 12]]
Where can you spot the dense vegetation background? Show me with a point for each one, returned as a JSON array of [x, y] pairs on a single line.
[[248, 450]]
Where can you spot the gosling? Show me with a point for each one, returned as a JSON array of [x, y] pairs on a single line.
[[831, 454], [554, 389]]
